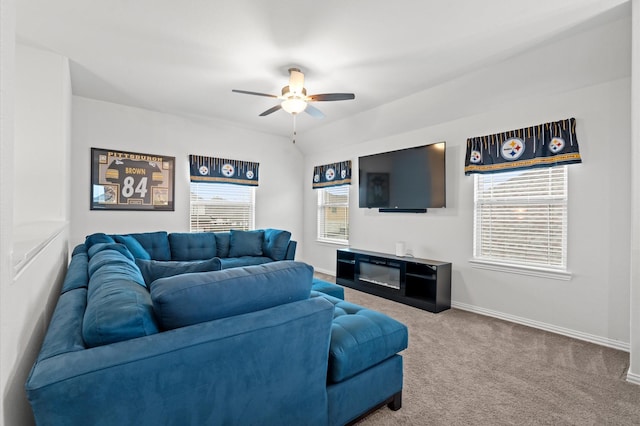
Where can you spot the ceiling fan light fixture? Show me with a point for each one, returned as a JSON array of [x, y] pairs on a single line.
[[287, 92], [294, 105], [294, 99]]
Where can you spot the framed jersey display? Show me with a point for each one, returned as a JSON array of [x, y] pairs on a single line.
[[123, 180]]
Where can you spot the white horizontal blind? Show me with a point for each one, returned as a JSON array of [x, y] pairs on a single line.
[[333, 214], [520, 217], [219, 207]]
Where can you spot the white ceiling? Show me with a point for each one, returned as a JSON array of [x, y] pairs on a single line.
[[185, 57]]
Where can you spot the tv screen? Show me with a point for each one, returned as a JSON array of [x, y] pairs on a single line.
[[407, 179]]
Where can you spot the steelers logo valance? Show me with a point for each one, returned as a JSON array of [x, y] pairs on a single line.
[[333, 174], [222, 170], [544, 145]]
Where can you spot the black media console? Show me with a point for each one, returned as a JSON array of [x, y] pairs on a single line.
[[425, 284]]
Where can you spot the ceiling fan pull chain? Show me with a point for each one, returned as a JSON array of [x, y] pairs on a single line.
[[294, 128]]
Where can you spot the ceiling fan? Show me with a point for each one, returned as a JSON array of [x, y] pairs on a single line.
[[294, 97]]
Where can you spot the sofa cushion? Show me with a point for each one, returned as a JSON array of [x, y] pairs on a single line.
[[246, 243], [124, 271], [327, 288], [222, 244], [117, 310], [188, 299], [77, 272], [133, 245], [154, 269], [361, 338], [275, 243], [80, 248], [155, 243], [121, 248], [235, 262], [118, 304], [192, 245], [97, 238], [64, 333], [114, 263]]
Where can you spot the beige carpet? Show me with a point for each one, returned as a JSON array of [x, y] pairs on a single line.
[[467, 369]]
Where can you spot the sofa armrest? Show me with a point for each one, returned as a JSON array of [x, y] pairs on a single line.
[[265, 367], [291, 250]]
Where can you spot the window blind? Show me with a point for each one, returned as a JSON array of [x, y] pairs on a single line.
[[333, 214], [520, 217], [219, 207]]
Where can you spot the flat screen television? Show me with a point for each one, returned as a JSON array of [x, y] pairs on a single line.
[[411, 179]]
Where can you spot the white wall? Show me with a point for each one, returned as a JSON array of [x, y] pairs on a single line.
[[7, 92], [38, 236], [29, 303], [585, 76], [633, 375], [44, 86], [111, 126]]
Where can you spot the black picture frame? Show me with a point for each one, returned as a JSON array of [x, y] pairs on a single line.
[[124, 180]]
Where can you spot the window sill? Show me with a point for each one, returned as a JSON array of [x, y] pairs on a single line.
[[522, 270], [333, 242]]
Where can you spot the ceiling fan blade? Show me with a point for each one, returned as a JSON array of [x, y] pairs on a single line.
[[271, 110], [314, 112], [246, 92], [296, 81], [332, 97]]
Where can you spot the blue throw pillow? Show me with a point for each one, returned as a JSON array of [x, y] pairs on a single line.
[[118, 270], [276, 243], [111, 262], [120, 248], [183, 300], [222, 244], [246, 243], [133, 245], [96, 239], [155, 269], [155, 243]]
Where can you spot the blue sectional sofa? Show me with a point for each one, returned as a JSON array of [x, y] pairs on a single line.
[[210, 345]]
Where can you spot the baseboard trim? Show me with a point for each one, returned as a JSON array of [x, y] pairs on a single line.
[[633, 378], [325, 271], [610, 343]]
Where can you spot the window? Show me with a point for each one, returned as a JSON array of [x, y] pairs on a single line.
[[333, 214], [520, 218], [219, 207]]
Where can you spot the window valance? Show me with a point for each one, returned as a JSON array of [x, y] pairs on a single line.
[[221, 170], [333, 174], [544, 145]]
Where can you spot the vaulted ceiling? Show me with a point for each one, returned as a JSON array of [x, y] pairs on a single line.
[[185, 57]]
